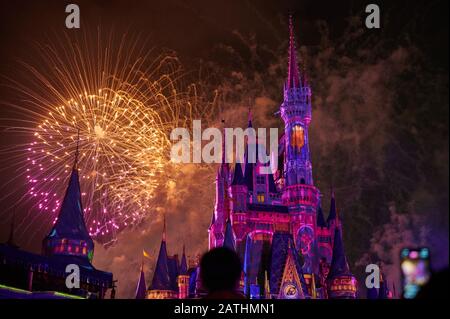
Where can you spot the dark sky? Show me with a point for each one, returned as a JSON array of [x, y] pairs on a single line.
[[380, 128], [191, 29]]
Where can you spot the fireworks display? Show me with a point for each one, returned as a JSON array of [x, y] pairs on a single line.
[[104, 99], [121, 153]]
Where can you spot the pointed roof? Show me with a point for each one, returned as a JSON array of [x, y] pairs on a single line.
[[174, 271], [141, 289], [333, 213], [162, 275], [339, 265], [183, 264], [228, 241], [293, 78], [292, 268], [70, 223], [283, 247], [320, 218], [161, 278]]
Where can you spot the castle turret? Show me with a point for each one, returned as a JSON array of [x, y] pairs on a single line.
[[141, 289], [341, 282], [183, 278], [69, 235], [162, 283]]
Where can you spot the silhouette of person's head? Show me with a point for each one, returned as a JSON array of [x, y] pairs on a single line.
[[220, 270]]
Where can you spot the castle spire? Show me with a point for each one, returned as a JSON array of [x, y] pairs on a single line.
[[183, 264], [320, 218], [339, 265], [161, 276], [228, 241], [75, 162], [141, 289], [293, 79], [340, 272], [332, 216]]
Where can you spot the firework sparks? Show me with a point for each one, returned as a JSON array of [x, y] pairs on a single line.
[[122, 150], [118, 110]]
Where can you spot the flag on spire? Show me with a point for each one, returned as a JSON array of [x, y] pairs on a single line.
[[145, 254]]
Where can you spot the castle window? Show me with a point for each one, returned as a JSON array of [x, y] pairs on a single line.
[[261, 198], [297, 137], [260, 179]]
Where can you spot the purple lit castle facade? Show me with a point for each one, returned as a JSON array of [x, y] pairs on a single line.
[[273, 221]]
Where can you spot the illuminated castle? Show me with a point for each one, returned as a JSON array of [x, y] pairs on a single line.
[[273, 221]]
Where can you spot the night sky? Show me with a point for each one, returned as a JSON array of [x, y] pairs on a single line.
[[379, 132]]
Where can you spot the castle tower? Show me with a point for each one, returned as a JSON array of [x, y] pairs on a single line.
[[183, 278], [299, 192], [69, 235], [296, 114]]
